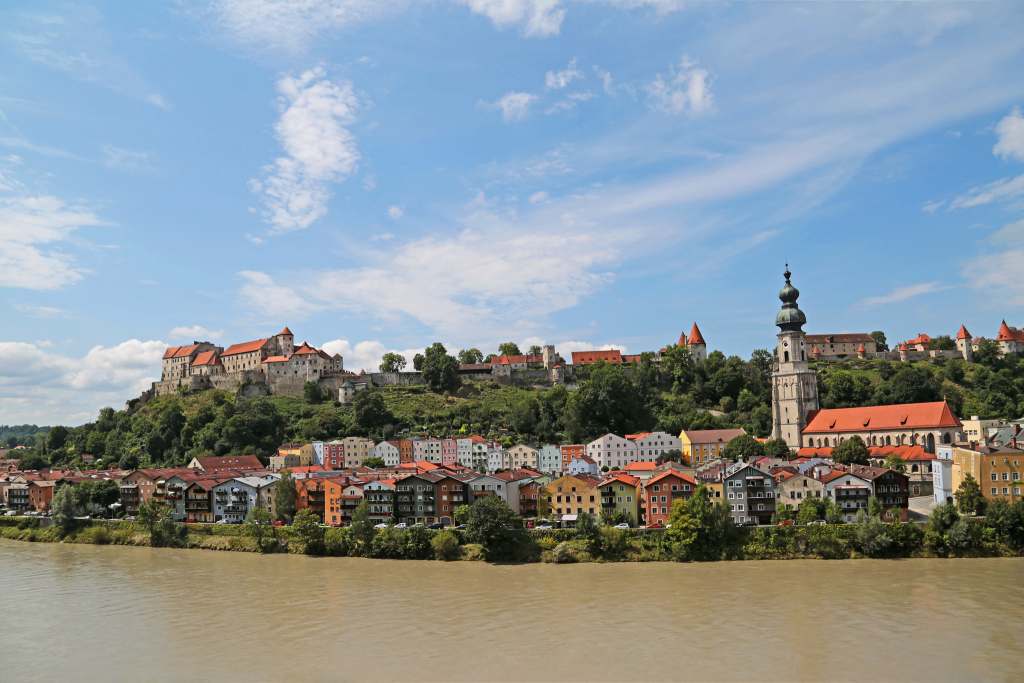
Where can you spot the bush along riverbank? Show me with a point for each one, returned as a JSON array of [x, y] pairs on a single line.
[[699, 531]]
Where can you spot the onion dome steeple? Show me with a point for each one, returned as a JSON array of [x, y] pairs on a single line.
[[790, 318]]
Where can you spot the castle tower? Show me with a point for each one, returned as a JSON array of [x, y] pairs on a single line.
[[695, 343], [794, 383], [285, 342], [964, 344]]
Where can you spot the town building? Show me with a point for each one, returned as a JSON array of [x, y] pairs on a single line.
[[997, 469], [850, 492], [357, 450], [750, 494], [388, 452], [661, 490], [415, 498], [620, 498], [700, 446], [793, 488], [612, 450], [570, 495], [890, 488], [549, 459], [794, 383], [449, 493], [906, 424], [841, 346], [571, 452], [651, 445], [520, 456], [380, 500], [341, 498], [583, 464]]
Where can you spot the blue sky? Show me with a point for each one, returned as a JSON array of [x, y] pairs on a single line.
[[379, 176]]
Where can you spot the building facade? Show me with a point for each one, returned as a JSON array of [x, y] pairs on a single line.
[[794, 383]]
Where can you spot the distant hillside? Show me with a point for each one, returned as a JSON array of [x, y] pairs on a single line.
[[675, 394]]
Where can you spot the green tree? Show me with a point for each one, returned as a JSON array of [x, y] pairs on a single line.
[[440, 371], [56, 438], [701, 530], [445, 545], [880, 341], [910, 384], [894, 462], [874, 507], [968, 496], [588, 530], [462, 514], [371, 413], [535, 350], [362, 530], [158, 520], [810, 510], [312, 393], [937, 534], [777, 448], [743, 447], [307, 529], [489, 523], [942, 343], [851, 451], [392, 362], [608, 401], [471, 356], [417, 362], [285, 497], [373, 462], [259, 527], [509, 349], [64, 508]]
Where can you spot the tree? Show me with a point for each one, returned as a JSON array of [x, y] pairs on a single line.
[[700, 529], [674, 455], [910, 384], [608, 401], [894, 462], [259, 527], [158, 519], [371, 413], [942, 520], [64, 508], [461, 514], [440, 370], [56, 438], [942, 343], [852, 451], [743, 447], [362, 530], [777, 448], [285, 497], [968, 496], [307, 529], [880, 341], [312, 393], [471, 356], [392, 362], [509, 349], [373, 462], [810, 510], [874, 507], [445, 545], [488, 523], [417, 362], [587, 529], [535, 350]]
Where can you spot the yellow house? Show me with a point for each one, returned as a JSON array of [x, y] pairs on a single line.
[[573, 494], [702, 445], [998, 471]]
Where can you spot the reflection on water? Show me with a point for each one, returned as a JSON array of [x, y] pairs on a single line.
[[92, 613]]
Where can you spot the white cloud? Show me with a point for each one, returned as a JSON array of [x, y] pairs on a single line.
[[126, 159], [395, 212], [997, 275], [607, 80], [41, 311], [1000, 190], [514, 106], [538, 197], [933, 206], [685, 90], [38, 385], [566, 348], [1011, 233], [270, 299], [901, 294], [559, 80], [194, 332], [1010, 131], [30, 227], [292, 25], [535, 18], [366, 355], [661, 7], [319, 149], [569, 102]]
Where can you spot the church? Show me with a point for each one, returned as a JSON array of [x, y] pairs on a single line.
[[798, 419]]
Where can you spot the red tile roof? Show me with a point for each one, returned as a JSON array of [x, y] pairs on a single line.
[[207, 358], [637, 437], [304, 350], [963, 333], [671, 473], [1007, 333], [285, 332], [641, 466], [713, 435], [921, 338], [230, 462], [626, 479], [695, 336], [842, 338], [180, 351], [516, 360], [902, 416], [244, 347], [613, 356], [276, 359]]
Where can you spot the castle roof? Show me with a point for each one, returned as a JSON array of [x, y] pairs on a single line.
[[305, 350], [899, 417], [285, 332], [963, 333], [1007, 333], [182, 351], [921, 338], [244, 347], [841, 338], [276, 359], [613, 356], [695, 336], [516, 360], [207, 358]]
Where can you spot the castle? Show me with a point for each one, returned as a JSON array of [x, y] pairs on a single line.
[[273, 364]]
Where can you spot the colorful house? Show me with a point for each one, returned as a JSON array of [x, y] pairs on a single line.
[[703, 445], [661, 490], [620, 497]]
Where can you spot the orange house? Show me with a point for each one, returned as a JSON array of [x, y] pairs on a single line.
[[340, 499], [40, 493], [572, 452], [310, 494], [661, 490]]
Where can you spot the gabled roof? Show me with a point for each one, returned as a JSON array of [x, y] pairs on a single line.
[[304, 350], [230, 462], [713, 435], [516, 360], [180, 351], [207, 358], [613, 356], [695, 336], [901, 416], [641, 466], [244, 347], [1007, 333], [671, 473], [285, 332], [841, 338], [626, 479], [922, 338]]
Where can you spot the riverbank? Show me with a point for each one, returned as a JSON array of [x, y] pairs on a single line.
[[967, 537]]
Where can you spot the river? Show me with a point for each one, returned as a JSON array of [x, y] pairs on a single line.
[[87, 613]]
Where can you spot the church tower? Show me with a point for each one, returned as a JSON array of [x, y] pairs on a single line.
[[794, 384]]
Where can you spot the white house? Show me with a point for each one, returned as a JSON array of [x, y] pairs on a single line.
[[427, 449], [650, 445], [233, 499], [612, 450], [520, 456], [486, 485], [583, 465], [388, 452], [357, 450]]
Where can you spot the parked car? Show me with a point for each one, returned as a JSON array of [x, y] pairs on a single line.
[[11, 513], [622, 525], [401, 525], [382, 525], [437, 525], [544, 527]]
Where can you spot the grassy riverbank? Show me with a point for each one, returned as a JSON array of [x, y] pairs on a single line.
[[974, 537]]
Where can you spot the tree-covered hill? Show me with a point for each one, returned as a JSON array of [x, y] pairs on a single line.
[[675, 394]]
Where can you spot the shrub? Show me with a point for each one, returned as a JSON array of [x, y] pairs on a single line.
[[97, 535], [445, 545], [614, 543], [417, 544], [563, 553], [338, 542], [388, 544], [473, 552], [307, 529]]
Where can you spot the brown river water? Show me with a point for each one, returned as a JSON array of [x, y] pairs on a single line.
[[87, 613]]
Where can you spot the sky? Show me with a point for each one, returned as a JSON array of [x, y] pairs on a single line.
[[589, 173]]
